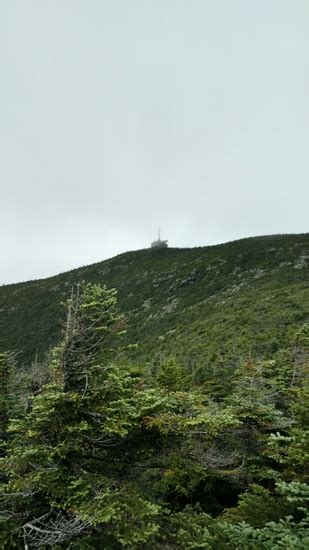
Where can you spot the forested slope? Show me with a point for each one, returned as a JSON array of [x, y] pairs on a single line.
[[209, 305], [107, 455]]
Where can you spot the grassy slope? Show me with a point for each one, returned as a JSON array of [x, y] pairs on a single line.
[[205, 304]]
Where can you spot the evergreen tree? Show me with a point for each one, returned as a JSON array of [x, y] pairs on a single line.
[[6, 400], [86, 461], [106, 457]]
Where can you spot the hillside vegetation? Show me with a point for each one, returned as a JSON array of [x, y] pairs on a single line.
[[209, 306], [105, 454], [175, 417]]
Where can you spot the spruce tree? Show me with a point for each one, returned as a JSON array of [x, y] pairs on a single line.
[[6, 400], [99, 454]]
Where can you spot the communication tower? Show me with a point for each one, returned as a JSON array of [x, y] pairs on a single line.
[[158, 243]]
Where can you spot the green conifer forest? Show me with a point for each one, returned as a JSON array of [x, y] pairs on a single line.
[[159, 400]]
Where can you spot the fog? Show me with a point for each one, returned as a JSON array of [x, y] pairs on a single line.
[[120, 117]]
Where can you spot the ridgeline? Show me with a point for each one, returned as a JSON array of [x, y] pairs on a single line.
[[209, 306]]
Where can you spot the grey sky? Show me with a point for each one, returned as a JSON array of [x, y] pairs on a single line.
[[117, 116]]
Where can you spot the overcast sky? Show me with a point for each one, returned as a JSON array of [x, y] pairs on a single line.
[[117, 116]]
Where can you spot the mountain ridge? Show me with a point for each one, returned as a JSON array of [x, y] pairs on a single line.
[[177, 300], [225, 243]]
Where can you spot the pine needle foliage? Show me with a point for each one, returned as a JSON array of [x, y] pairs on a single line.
[[107, 455]]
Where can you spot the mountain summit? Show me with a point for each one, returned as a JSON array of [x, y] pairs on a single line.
[[206, 305]]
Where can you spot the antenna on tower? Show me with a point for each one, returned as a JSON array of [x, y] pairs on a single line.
[[159, 243]]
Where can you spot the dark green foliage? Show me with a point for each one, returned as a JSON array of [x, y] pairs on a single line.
[[92, 325], [207, 306], [198, 439], [5, 396], [99, 448]]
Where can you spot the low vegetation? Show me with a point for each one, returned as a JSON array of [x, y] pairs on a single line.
[[211, 307], [104, 450], [181, 423]]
